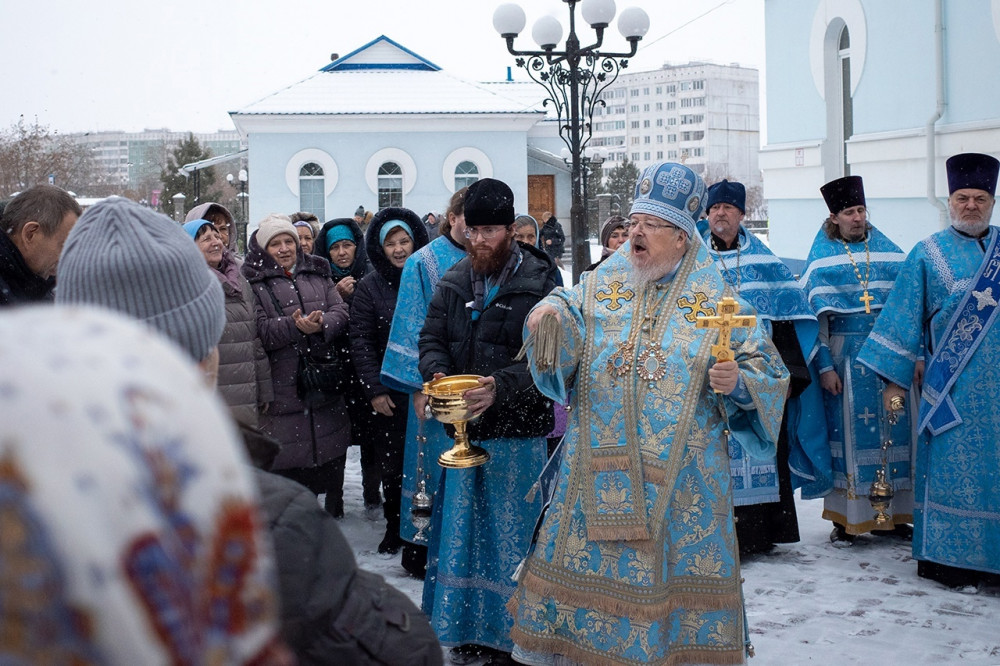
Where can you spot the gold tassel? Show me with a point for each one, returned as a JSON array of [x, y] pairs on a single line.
[[547, 341]]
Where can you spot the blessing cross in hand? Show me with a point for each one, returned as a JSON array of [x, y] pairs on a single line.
[[726, 321]]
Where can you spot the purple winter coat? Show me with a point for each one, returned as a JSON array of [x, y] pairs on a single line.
[[309, 435]]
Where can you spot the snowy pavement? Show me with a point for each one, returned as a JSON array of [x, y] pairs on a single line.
[[808, 603]]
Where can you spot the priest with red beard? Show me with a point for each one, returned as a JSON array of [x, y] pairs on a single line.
[[473, 326]]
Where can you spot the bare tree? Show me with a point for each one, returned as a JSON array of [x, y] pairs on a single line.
[[30, 154]]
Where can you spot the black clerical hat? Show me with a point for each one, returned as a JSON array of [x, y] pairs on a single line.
[[489, 202], [844, 193], [973, 171]]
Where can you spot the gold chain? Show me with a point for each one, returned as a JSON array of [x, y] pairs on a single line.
[[739, 277], [620, 362], [868, 263]]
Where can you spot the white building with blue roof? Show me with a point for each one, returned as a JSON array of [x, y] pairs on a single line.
[[383, 126]]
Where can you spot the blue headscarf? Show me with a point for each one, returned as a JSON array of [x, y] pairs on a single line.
[[389, 226]]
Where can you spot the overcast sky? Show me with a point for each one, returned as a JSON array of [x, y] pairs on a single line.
[[184, 64]]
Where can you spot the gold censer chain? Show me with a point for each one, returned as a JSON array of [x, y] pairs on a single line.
[[865, 298]]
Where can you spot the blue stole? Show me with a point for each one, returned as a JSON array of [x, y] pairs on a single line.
[[966, 330]]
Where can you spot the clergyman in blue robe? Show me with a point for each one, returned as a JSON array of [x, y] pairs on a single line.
[[636, 557], [848, 274], [763, 490], [946, 296]]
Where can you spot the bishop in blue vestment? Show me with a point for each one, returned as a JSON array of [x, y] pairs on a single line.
[[946, 297], [636, 559]]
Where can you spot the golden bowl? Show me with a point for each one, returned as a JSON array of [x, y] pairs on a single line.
[[448, 406]]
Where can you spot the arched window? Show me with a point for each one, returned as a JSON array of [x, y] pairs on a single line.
[[390, 185], [311, 197], [847, 102], [839, 104], [466, 173]]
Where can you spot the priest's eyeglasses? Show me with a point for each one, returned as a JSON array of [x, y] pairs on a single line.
[[648, 226], [486, 232]]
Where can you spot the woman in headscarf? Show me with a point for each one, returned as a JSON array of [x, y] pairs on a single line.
[[221, 218], [341, 242], [244, 372], [299, 313], [305, 231], [393, 235], [614, 232]]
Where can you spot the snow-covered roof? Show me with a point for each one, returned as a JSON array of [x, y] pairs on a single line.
[[385, 78]]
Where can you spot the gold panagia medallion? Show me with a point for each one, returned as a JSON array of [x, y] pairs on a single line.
[[620, 363], [651, 365]]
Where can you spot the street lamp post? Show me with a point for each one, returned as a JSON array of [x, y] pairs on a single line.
[[590, 163], [574, 78]]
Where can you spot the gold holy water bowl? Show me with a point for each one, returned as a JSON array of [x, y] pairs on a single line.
[[448, 406]]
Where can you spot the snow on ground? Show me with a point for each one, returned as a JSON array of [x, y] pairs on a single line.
[[808, 603]]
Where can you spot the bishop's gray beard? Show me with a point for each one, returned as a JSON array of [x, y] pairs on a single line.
[[644, 275], [969, 227]]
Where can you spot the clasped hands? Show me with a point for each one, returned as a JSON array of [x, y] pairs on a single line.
[[310, 324]]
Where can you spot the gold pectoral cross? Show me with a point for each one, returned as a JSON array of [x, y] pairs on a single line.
[[867, 300], [726, 321]]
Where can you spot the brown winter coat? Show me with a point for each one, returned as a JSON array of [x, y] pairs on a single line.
[[309, 435], [244, 370]]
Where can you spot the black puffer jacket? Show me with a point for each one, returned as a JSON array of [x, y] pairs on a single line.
[[18, 285], [450, 342], [375, 301], [332, 612]]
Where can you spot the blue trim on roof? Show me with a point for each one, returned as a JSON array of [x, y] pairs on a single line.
[[400, 65], [341, 64]]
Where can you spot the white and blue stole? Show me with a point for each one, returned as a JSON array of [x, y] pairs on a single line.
[[965, 332]]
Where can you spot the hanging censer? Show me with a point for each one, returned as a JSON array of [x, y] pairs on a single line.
[[880, 493], [422, 503]]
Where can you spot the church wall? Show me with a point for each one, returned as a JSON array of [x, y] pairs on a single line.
[[893, 45], [351, 181]]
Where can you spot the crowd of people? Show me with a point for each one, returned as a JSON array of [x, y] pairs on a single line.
[[646, 428]]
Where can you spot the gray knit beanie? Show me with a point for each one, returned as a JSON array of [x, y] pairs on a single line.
[[125, 257]]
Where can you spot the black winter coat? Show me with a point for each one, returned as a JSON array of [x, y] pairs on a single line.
[[552, 231], [332, 612], [18, 285], [375, 301], [450, 342]]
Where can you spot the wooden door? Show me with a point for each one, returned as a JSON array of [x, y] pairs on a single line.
[[541, 196]]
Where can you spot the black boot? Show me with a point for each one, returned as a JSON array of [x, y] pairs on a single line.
[[392, 542], [414, 559], [334, 482], [840, 538]]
